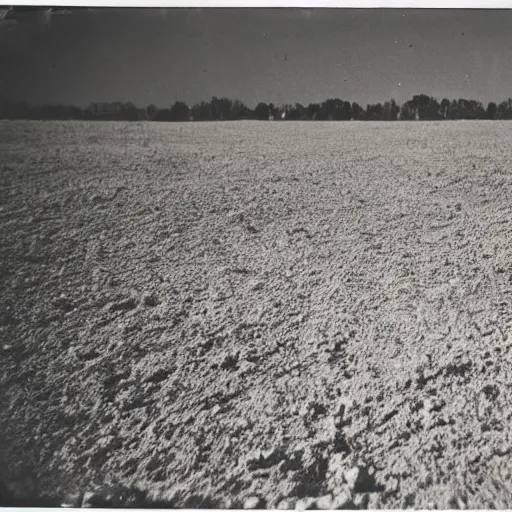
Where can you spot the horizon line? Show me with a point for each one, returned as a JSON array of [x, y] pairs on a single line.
[[291, 103]]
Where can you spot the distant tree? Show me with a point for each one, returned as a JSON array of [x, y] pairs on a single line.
[[163, 114], [151, 111], [357, 111], [346, 111], [475, 110], [272, 111], [426, 108], [453, 110], [491, 110], [316, 112], [226, 108], [312, 111], [202, 111], [300, 112], [504, 110], [408, 111], [445, 108], [390, 110], [88, 113], [421, 103], [286, 112], [333, 109], [261, 111], [239, 110], [115, 111], [463, 108], [130, 112], [221, 108], [375, 112], [214, 109], [279, 113], [75, 112], [421, 107], [295, 112], [467, 109], [179, 111]]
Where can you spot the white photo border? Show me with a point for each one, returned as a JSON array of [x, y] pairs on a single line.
[[311, 4]]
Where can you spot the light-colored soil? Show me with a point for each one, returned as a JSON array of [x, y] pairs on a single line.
[[243, 313]]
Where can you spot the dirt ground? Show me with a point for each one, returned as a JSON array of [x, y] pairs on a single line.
[[254, 314]]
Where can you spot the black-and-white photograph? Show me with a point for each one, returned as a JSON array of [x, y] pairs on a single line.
[[255, 258]]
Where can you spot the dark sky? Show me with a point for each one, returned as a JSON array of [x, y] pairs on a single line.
[[272, 55]]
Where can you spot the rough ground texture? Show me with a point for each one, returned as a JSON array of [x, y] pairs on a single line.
[[257, 314]]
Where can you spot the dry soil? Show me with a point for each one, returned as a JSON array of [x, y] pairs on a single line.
[[257, 314]]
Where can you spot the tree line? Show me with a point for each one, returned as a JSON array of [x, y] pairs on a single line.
[[420, 107]]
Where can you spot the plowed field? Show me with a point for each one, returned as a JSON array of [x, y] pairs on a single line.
[[258, 314]]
